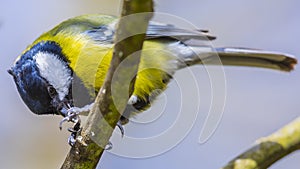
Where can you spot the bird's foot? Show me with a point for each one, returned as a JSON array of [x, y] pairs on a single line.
[[75, 130], [72, 115]]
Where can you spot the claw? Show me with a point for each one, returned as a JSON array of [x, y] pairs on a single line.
[[74, 132], [109, 146], [75, 129], [72, 115], [120, 126], [65, 119], [71, 130], [72, 139]]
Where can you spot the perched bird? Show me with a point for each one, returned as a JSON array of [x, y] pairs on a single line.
[[76, 54]]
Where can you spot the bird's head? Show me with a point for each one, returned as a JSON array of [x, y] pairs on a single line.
[[43, 78]]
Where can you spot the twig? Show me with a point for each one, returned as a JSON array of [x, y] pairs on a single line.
[[104, 115], [270, 149]]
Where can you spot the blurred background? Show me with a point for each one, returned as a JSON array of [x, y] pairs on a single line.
[[258, 101]]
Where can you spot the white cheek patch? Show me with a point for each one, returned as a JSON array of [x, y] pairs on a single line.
[[55, 71]]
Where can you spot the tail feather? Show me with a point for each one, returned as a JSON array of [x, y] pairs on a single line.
[[256, 58], [244, 57]]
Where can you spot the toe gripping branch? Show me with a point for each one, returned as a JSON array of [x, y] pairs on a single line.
[[71, 114]]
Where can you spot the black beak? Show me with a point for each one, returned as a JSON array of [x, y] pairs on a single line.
[[11, 72]]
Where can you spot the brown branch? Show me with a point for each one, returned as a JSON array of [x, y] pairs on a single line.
[[270, 149], [107, 109]]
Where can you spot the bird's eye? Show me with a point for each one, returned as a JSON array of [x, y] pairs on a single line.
[[51, 90]]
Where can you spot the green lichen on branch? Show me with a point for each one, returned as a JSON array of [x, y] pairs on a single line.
[[270, 149], [107, 109]]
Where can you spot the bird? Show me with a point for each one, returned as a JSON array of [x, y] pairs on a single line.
[[75, 56]]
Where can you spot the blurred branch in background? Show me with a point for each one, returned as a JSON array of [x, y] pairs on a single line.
[[104, 115], [270, 149]]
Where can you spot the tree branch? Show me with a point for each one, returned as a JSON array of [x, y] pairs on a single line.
[[270, 149], [107, 109]]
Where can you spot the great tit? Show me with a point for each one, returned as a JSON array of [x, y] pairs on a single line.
[[80, 50]]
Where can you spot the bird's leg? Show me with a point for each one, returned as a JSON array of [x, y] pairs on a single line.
[[74, 133], [71, 114]]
